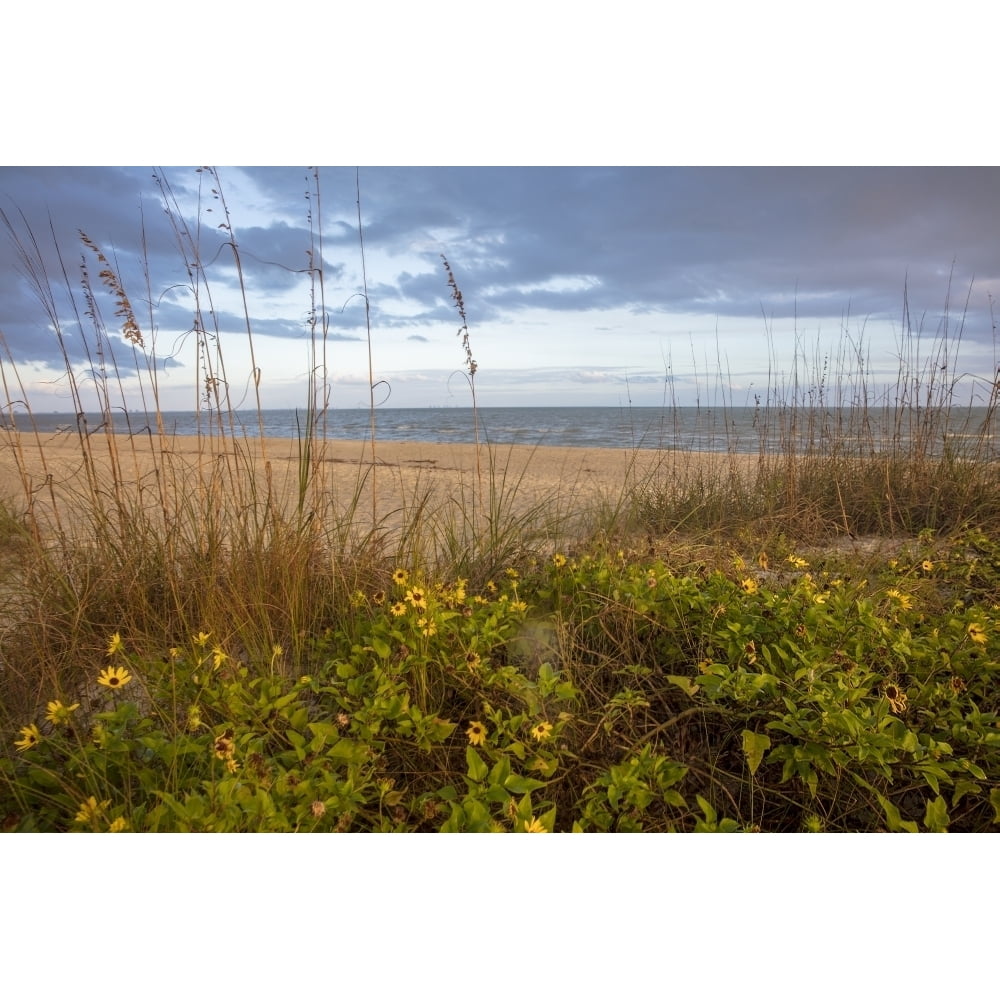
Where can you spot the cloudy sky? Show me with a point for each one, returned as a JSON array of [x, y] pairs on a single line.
[[582, 286]]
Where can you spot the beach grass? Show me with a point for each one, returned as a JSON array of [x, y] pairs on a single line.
[[200, 635]]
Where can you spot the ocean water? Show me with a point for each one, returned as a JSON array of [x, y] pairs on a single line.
[[736, 429]]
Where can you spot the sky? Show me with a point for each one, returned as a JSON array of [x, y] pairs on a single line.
[[581, 285]]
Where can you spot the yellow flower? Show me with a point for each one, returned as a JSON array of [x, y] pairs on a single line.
[[927, 566], [399, 608], [797, 561], [559, 559], [476, 733], [472, 660], [30, 737], [417, 598], [762, 560], [194, 722], [120, 825], [518, 606], [977, 633], [426, 627], [358, 599], [90, 809], [749, 585], [534, 826], [542, 731], [378, 597], [114, 677], [903, 600], [512, 574], [218, 657], [115, 645], [400, 576], [201, 638], [59, 714]]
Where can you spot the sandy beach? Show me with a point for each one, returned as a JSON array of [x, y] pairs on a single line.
[[52, 470]]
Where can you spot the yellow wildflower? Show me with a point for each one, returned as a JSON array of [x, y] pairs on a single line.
[[115, 645], [201, 638], [927, 566], [472, 660], [400, 576], [797, 562], [119, 825], [559, 559], [90, 809], [399, 608], [476, 733], [903, 600], [542, 731], [534, 826], [977, 633], [518, 606], [426, 627], [749, 585], [30, 737], [59, 714], [114, 677], [417, 598], [218, 657]]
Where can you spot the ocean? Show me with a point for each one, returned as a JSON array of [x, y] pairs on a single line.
[[748, 430]]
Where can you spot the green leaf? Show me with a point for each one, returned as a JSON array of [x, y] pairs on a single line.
[[755, 745], [687, 684], [995, 802], [477, 768], [381, 647], [518, 785], [894, 821], [936, 816]]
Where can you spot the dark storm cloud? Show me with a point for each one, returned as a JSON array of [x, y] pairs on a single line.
[[722, 240], [712, 241]]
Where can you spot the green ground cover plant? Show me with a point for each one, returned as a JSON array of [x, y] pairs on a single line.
[[810, 646]]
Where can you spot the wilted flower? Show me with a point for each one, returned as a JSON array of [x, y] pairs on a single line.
[[318, 808], [224, 746], [115, 645], [895, 696]]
